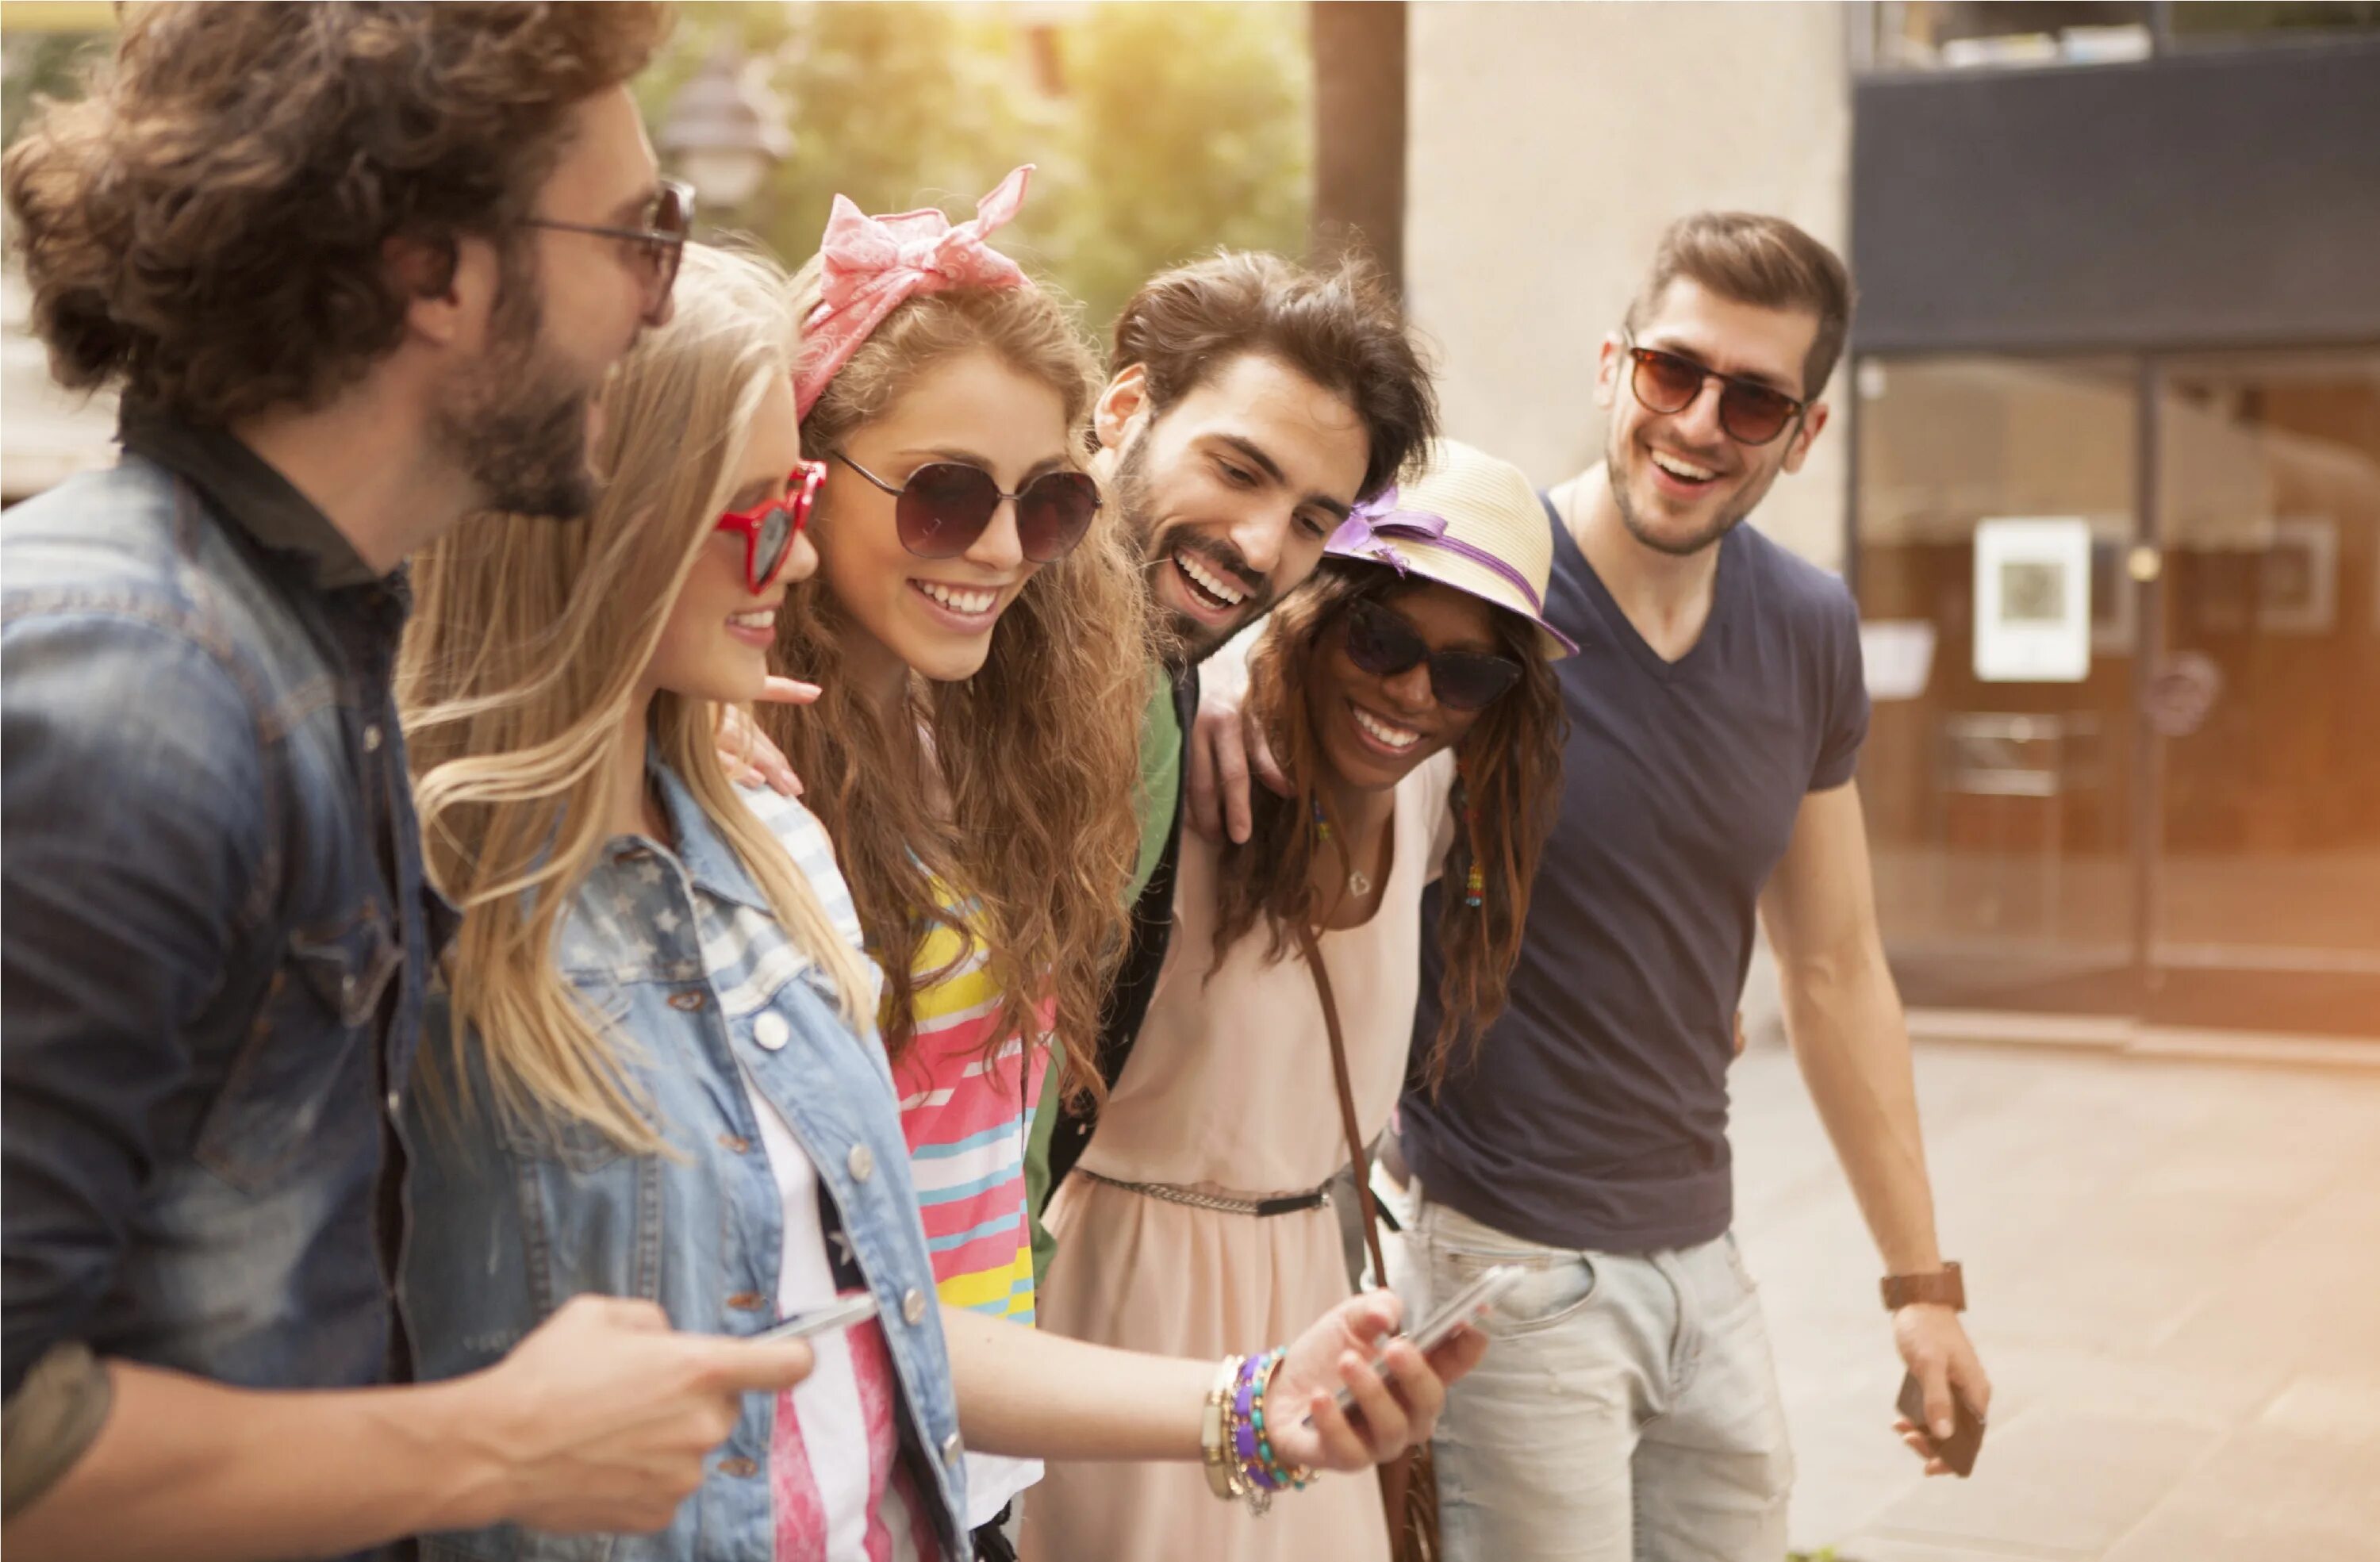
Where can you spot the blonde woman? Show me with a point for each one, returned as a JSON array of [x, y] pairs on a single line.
[[977, 624], [655, 1077]]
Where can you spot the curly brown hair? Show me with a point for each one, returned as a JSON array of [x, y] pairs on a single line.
[[1040, 751], [1511, 770], [207, 225]]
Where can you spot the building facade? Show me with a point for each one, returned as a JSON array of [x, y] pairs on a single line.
[[2105, 471]]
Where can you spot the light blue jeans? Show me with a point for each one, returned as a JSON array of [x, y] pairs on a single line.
[[1627, 1409]]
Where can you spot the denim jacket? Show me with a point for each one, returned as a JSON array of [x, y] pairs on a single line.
[[209, 884], [681, 955]]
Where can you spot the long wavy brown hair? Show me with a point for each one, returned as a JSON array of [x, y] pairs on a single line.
[[1512, 769], [1039, 753]]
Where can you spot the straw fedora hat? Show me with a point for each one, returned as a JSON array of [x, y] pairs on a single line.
[[1469, 521]]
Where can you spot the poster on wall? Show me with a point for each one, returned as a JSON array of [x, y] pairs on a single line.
[[2033, 599], [2297, 579]]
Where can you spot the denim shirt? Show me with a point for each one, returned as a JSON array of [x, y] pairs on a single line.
[[682, 956], [209, 884]]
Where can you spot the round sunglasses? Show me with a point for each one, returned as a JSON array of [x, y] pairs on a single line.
[[1751, 413], [769, 528], [1380, 642], [946, 505]]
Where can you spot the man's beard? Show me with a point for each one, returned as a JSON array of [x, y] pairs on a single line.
[[1183, 641], [1747, 500], [516, 422]]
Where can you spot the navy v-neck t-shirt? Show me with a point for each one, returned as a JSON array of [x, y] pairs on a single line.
[[1596, 1115]]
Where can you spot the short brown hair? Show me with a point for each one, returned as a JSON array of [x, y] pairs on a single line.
[[207, 225], [1341, 327], [1762, 260]]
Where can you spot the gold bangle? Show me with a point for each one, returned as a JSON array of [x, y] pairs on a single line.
[[1215, 1433]]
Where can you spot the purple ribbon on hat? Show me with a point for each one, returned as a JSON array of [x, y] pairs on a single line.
[[1370, 530]]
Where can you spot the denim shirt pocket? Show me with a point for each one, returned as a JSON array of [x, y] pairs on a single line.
[[317, 1015], [579, 1148]]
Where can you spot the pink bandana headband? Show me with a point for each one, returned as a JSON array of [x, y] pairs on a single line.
[[871, 264]]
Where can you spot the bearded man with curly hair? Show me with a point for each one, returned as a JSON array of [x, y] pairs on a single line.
[[360, 270]]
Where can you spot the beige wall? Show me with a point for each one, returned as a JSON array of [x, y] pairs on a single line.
[[1548, 145]]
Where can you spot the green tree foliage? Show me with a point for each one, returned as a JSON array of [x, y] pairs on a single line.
[[1159, 131], [40, 63]]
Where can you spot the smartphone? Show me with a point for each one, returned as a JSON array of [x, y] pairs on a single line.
[[840, 1313], [1967, 1433], [1464, 1306]]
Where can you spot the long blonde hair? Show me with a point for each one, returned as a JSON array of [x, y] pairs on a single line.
[[528, 641], [1038, 752]]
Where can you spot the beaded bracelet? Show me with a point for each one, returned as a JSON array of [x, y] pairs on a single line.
[[1264, 1472]]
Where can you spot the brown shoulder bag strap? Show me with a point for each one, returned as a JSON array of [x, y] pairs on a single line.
[[1355, 1155]]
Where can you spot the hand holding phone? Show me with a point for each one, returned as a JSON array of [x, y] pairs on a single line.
[[840, 1313], [1464, 1306], [1966, 1439]]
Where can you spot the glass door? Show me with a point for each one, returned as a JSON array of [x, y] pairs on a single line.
[[2000, 797], [2264, 893]]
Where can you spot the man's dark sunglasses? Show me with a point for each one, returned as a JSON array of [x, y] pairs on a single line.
[[1383, 644], [945, 505], [1751, 413], [657, 244]]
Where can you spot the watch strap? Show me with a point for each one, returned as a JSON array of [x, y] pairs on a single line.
[[1947, 1287]]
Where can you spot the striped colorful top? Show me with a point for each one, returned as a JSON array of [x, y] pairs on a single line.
[[967, 1112]]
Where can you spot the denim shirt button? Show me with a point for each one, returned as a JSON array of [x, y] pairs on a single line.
[[686, 1001], [738, 1467], [735, 1144], [371, 738], [952, 1448], [861, 1162], [913, 1305], [772, 1031], [748, 1301]]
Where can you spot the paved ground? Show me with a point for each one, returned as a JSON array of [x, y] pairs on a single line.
[[2175, 1272]]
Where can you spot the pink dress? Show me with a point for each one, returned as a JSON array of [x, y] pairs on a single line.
[[1228, 1091]]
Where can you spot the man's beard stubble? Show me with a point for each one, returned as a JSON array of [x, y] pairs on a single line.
[[1747, 500], [1182, 642], [516, 424]]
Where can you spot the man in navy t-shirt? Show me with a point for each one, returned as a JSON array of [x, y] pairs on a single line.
[[1629, 1406]]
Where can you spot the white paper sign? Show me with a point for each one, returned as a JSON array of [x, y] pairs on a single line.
[[1898, 656], [2033, 599]]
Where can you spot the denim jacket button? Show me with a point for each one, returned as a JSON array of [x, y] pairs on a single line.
[[861, 1162], [748, 1301], [772, 1031], [952, 1448], [738, 1467], [371, 738], [688, 1001], [913, 1305], [735, 1144]]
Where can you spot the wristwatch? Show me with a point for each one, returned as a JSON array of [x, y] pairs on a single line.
[[1945, 1287]]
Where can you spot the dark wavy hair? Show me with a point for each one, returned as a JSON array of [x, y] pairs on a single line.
[[1511, 770], [1340, 325], [207, 225]]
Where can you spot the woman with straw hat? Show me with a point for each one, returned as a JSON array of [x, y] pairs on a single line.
[[1407, 692]]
